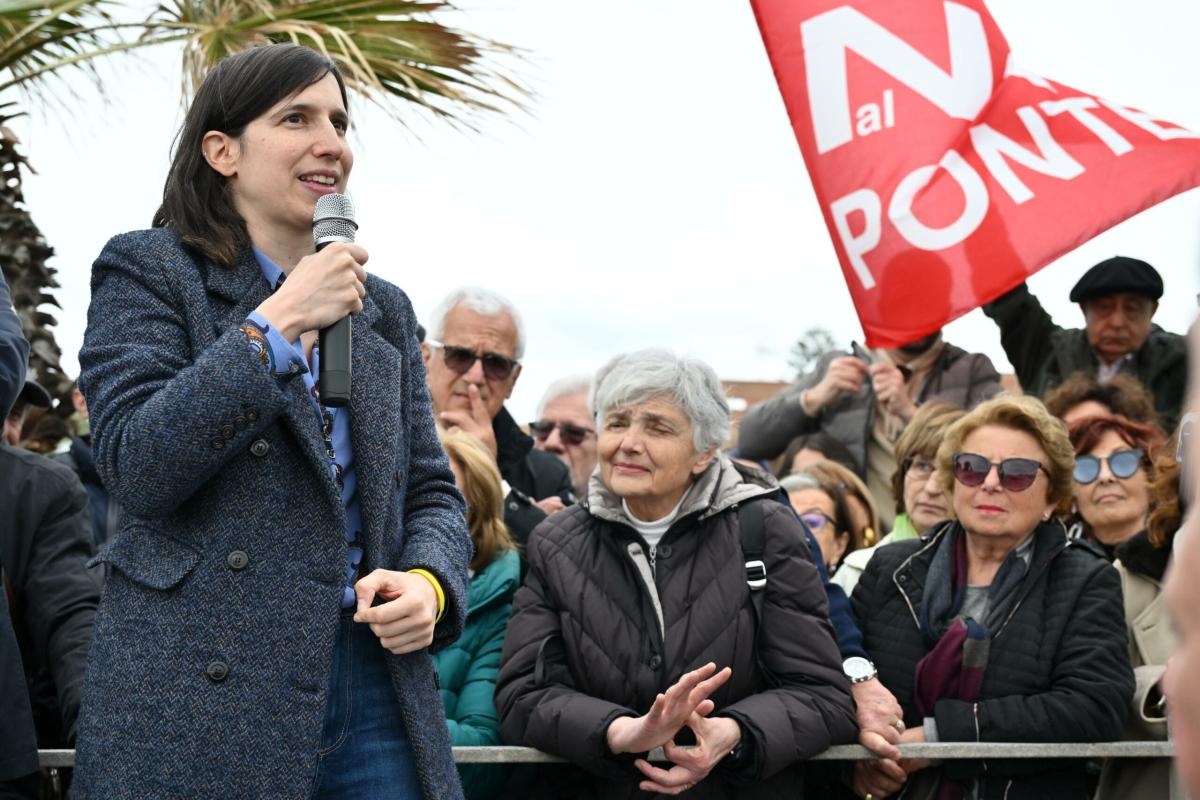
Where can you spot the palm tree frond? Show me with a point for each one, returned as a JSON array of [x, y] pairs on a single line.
[[394, 54]]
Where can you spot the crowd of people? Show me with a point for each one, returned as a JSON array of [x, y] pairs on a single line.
[[302, 600]]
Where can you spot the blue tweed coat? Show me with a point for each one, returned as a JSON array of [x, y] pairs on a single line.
[[212, 648]]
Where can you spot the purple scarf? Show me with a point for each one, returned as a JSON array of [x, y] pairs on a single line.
[[953, 666]]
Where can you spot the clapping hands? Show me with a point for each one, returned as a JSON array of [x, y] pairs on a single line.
[[686, 703]]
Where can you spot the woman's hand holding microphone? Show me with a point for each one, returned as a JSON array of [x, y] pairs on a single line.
[[321, 289]]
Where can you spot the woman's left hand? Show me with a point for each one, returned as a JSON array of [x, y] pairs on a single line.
[[715, 737], [405, 622], [912, 736]]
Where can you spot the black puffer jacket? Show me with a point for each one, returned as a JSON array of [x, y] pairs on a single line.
[[1058, 670], [586, 642]]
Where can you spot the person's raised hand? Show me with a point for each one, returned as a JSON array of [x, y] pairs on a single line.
[[891, 390], [672, 708], [321, 289], [406, 621], [715, 737], [476, 420], [880, 718], [844, 374], [551, 505]]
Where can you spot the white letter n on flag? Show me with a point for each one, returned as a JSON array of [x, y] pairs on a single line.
[[961, 93]]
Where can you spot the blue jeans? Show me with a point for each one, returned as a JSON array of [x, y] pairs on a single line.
[[365, 751]]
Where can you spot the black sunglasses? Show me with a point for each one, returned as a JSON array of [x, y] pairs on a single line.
[[570, 434], [1122, 464], [1016, 474], [460, 359]]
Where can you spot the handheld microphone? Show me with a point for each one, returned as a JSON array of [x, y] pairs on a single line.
[[333, 221]]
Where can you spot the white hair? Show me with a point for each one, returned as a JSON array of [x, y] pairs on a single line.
[[688, 382], [481, 301], [572, 384]]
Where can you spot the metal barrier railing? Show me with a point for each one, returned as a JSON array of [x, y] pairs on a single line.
[[845, 752], [849, 752]]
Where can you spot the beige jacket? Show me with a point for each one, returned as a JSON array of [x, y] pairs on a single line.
[[1151, 642]]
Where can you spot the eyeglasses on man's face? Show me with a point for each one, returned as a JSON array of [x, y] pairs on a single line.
[[460, 359], [1016, 474], [569, 433]]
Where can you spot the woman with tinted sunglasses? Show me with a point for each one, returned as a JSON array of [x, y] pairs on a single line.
[[1112, 477], [1129, 504], [996, 627]]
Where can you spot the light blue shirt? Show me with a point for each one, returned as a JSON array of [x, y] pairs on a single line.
[[286, 359]]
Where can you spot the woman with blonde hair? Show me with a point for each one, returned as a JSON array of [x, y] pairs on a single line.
[[920, 499], [467, 669], [995, 627]]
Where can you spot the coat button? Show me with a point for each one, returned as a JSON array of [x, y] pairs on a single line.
[[237, 560], [655, 661], [217, 671], [513, 506], [239, 422], [252, 414], [260, 448], [664, 551], [218, 443], [227, 431]]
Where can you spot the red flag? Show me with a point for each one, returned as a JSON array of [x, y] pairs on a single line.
[[946, 175]]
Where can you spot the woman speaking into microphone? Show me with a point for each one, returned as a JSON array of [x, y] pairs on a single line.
[[284, 567]]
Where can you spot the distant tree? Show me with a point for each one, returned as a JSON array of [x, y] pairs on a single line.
[[811, 345]]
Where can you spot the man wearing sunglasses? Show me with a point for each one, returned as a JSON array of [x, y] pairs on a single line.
[[565, 428], [473, 352], [1118, 298]]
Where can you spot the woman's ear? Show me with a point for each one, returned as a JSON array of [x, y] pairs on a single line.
[[221, 151], [705, 459]]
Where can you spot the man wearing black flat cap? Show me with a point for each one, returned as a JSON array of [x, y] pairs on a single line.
[[1118, 298]]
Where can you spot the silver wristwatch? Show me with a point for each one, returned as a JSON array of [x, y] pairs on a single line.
[[858, 669]]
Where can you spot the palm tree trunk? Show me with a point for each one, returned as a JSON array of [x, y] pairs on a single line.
[[23, 258]]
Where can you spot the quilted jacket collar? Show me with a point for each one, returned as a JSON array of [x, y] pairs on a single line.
[[721, 486]]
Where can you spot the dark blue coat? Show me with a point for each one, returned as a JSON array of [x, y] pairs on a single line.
[[14, 351], [209, 457], [18, 754]]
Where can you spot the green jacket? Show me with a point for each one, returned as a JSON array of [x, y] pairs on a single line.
[[467, 671], [1044, 354]]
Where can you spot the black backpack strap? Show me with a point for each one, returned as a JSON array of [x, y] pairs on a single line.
[[754, 543], [752, 531]]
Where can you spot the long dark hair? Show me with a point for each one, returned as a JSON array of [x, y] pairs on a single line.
[[196, 201]]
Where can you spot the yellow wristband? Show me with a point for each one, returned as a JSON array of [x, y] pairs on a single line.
[[437, 589]]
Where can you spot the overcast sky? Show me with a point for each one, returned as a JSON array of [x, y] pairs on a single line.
[[654, 195]]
